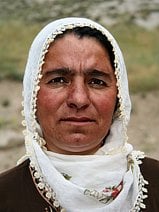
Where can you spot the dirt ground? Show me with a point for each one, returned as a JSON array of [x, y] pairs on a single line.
[[143, 129]]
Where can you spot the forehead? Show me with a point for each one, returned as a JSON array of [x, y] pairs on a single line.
[[77, 43], [73, 52], [88, 32]]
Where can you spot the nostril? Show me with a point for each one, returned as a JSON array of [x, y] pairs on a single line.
[[78, 102], [77, 106], [72, 105]]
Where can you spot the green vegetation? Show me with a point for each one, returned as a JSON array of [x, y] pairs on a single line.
[[3, 123], [10, 123], [15, 40], [140, 48], [141, 52]]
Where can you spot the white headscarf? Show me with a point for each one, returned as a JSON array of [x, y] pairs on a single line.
[[112, 164]]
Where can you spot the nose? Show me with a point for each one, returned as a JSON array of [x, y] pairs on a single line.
[[78, 97]]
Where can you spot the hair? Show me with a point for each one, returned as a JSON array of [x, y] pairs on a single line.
[[86, 31]]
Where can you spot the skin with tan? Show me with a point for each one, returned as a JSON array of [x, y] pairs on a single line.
[[77, 95]]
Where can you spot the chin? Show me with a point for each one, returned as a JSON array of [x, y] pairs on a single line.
[[81, 148]]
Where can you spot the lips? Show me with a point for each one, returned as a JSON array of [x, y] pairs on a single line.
[[78, 120]]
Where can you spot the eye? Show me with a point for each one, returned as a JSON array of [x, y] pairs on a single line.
[[97, 83], [58, 81]]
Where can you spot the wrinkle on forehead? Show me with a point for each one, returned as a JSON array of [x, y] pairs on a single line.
[[75, 54]]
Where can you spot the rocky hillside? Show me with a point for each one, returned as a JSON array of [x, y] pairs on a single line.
[[141, 12]]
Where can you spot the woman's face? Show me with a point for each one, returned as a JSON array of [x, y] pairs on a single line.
[[77, 95]]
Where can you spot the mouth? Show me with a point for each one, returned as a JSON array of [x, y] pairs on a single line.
[[78, 120]]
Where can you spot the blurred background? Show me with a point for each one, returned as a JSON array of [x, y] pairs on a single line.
[[134, 24]]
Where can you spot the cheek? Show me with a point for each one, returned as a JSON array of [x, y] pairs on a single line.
[[47, 102], [106, 106]]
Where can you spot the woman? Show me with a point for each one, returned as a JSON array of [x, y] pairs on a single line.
[[76, 108]]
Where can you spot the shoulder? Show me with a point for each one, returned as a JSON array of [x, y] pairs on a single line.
[[12, 185], [12, 178], [13, 170], [11, 174], [17, 184], [150, 170]]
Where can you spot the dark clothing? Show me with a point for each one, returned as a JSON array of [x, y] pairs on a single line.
[[150, 171], [19, 194]]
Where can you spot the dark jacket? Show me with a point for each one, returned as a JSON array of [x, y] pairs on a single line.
[[19, 194]]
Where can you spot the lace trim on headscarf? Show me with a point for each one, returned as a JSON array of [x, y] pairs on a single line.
[[49, 195], [142, 194], [120, 110]]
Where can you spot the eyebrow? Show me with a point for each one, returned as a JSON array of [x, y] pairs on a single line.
[[58, 71], [66, 71], [97, 73]]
